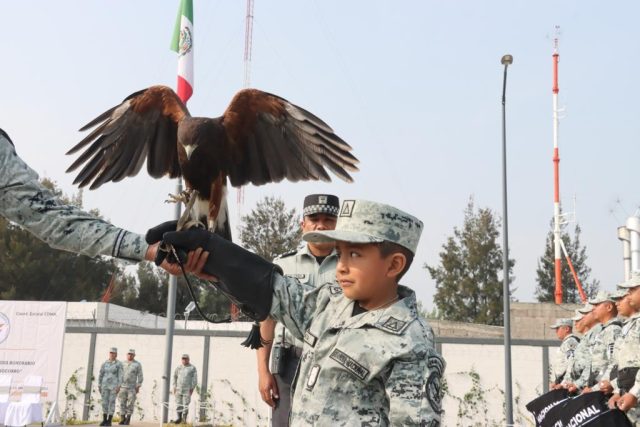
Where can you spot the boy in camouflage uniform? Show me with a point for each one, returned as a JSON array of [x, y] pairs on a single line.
[[626, 386], [109, 381], [564, 353], [131, 382], [185, 379], [368, 356]]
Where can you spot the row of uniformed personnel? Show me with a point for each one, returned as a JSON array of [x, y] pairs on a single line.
[[607, 357]]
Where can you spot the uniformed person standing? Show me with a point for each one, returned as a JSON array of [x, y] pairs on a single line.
[[185, 379], [109, 380], [604, 310], [582, 355], [312, 263], [626, 386], [565, 352], [131, 382]]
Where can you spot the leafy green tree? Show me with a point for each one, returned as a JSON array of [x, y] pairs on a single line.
[[270, 229], [546, 276], [31, 270], [469, 276]]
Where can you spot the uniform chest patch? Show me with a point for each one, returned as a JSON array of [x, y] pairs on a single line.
[[350, 364], [310, 339], [335, 290], [394, 325]]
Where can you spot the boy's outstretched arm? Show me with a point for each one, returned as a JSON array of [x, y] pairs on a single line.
[[415, 392]]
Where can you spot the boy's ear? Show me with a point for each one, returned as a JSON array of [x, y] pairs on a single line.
[[397, 263]]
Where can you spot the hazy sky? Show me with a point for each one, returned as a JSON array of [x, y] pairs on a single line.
[[414, 87]]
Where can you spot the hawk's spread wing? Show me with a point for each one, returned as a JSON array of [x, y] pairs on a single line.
[[143, 126], [270, 139]]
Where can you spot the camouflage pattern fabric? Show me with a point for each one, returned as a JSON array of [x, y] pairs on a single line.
[[563, 355], [362, 221], [25, 201], [582, 361], [302, 265], [110, 378], [376, 368], [602, 350], [132, 378], [185, 379]]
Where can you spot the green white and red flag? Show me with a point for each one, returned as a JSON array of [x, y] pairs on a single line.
[[182, 43]]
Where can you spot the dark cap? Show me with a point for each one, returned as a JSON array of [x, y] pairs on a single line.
[[321, 203]]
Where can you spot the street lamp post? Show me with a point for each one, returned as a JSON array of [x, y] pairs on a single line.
[[506, 61]]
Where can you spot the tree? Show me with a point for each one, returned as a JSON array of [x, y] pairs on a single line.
[[270, 230], [546, 277], [31, 270], [468, 282]]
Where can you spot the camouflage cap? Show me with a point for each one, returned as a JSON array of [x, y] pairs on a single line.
[[601, 296], [634, 282], [588, 308], [132, 351], [362, 221], [185, 356], [562, 322], [619, 294], [578, 316], [113, 350]]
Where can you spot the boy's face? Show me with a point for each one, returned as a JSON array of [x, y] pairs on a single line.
[[364, 274]]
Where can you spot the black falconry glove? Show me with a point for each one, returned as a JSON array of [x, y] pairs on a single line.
[[244, 277]]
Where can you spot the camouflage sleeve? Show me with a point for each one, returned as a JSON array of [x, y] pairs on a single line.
[[175, 378], [583, 380], [414, 390], [140, 376], [293, 303], [101, 375], [194, 380], [25, 201], [120, 373]]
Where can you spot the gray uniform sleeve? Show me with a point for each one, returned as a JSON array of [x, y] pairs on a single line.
[[140, 376], [293, 304], [414, 390], [25, 201]]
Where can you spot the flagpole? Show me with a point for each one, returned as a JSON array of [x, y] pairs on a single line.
[[182, 43]]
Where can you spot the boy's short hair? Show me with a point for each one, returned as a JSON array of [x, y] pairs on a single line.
[[362, 221], [387, 248]]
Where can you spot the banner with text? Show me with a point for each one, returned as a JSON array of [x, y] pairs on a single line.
[[31, 340]]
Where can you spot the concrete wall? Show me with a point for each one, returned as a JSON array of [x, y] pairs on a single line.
[[532, 320], [232, 378]]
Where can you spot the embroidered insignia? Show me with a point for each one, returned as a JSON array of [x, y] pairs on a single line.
[[322, 200], [335, 290], [350, 364], [310, 339], [313, 376], [393, 324], [347, 208], [433, 388]]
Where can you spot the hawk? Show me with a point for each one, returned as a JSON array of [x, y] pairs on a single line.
[[260, 138]]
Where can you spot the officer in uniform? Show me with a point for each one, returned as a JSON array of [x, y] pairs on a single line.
[[582, 355], [626, 386], [25, 201], [565, 352], [311, 263], [132, 380], [109, 380], [185, 379], [604, 310]]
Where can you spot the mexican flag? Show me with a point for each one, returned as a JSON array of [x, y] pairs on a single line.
[[182, 43]]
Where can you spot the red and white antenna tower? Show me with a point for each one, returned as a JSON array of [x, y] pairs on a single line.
[[558, 218], [248, 42]]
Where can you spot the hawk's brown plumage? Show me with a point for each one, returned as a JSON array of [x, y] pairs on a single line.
[[260, 138]]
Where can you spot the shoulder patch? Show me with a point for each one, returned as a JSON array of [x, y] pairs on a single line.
[[394, 325], [433, 387]]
